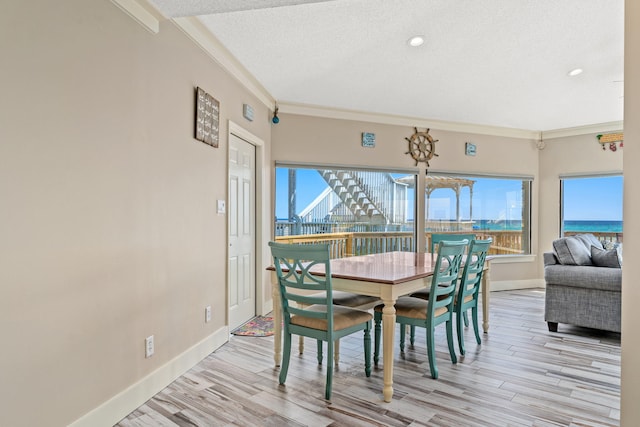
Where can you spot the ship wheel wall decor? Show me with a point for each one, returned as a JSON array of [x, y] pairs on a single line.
[[422, 146]]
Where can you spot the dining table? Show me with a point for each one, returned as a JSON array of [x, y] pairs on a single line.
[[388, 276]]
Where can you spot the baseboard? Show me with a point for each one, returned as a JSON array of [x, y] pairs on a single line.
[[121, 405], [510, 285]]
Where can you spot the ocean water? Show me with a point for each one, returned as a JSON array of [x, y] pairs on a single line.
[[594, 226], [576, 226]]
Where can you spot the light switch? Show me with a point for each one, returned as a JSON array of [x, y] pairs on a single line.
[[221, 207]]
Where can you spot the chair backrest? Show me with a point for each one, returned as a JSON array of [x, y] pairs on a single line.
[[445, 277], [473, 270], [452, 237], [293, 264]]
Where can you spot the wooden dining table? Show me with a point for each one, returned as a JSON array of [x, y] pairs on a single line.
[[387, 276]]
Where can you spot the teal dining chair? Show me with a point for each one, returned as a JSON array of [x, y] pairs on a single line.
[[469, 288], [451, 237], [468, 291], [430, 313], [435, 239], [314, 316]]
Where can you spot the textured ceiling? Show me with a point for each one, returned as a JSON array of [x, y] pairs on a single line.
[[496, 62], [181, 8]]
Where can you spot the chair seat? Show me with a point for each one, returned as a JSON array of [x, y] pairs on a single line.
[[348, 299], [424, 294], [415, 308], [343, 317], [352, 300]]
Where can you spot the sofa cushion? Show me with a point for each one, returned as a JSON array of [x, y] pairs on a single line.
[[605, 258], [590, 277], [550, 258], [590, 240], [572, 250]]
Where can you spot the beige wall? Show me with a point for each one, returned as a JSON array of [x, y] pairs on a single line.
[[630, 289], [108, 225], [305, 139]]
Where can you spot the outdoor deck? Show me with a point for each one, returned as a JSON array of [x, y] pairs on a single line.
[[344, 244]]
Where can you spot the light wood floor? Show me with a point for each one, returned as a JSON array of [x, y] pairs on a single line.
[[521, 375]]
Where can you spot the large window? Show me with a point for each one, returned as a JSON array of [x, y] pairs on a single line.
[[592, 204], [356, 211], [490, 207], [360, 211]]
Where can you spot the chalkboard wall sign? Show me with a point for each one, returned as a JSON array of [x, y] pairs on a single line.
[[207, 118]]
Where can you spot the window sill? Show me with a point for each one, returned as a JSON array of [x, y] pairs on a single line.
[[511, 259]]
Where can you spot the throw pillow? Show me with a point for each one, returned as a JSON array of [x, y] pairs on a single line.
[[590, 240], [572, 251], [605, 258]]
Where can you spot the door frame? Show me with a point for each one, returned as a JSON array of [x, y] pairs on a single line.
[[260, 190]]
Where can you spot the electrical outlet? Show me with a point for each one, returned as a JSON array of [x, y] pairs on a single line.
[[207, 314], [148, 346]]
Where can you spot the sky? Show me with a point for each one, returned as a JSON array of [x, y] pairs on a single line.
[[593, 198], [585, 198]]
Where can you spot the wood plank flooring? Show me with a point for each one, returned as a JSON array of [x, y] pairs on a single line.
[[521, 375]]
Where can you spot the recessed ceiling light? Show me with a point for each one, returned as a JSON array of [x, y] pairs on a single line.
[[415, 41], [574, 72]]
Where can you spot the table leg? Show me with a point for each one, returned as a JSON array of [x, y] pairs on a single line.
[[486, 291], [388, 333], [277, 325]]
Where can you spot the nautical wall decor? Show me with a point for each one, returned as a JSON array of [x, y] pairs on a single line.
[[611, 139], [422, 146]]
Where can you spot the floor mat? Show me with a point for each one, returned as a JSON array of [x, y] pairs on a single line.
[[259, 326]]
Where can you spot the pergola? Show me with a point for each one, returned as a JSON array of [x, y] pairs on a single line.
[[433, 182]]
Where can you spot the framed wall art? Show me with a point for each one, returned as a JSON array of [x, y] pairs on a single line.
[[207, 118]]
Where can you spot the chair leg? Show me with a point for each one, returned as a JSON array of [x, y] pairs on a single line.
[[431, 354], [466, 319], [320, 352], [452, 347], [412, 335], [459, 321], [327, 390], [336, 352], [376, 339], [286, 355], [474, 319], [367, 350], [301, 344], [403, 331]]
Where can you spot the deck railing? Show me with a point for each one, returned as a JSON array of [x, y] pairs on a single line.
[[357, 243], [350, 239], [612, 237]]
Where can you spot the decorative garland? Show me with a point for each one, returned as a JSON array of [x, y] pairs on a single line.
[[611, 139]]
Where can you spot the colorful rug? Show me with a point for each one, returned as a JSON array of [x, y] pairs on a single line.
[[259, 326]]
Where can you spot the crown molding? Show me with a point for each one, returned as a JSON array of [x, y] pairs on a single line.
[[343, 114], [142, 12], [197, 32], [584, 130]]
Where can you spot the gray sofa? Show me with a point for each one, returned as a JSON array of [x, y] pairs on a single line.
[[583, 284]]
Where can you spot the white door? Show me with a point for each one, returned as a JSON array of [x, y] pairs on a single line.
[[242, 278]]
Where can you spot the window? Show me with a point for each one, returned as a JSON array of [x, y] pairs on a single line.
[[359, 211], [356, 211], [490, 207], [592, 204]]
